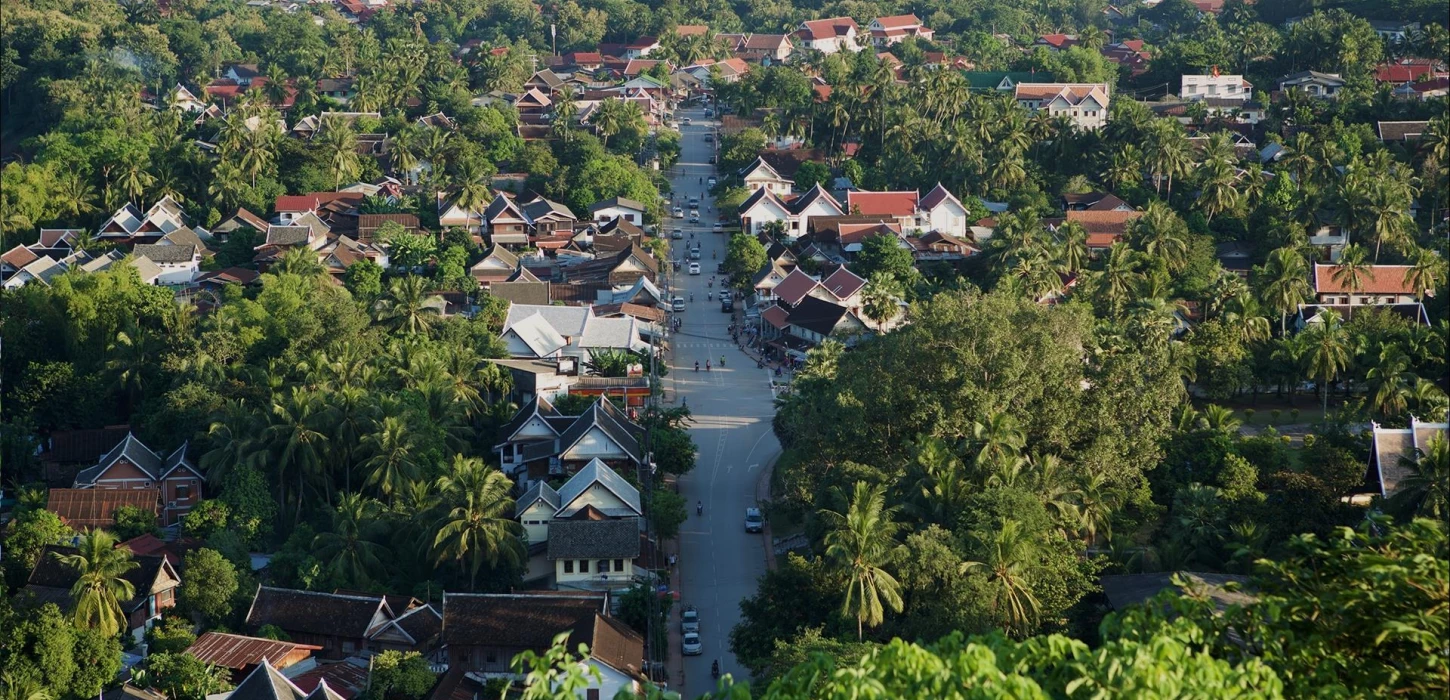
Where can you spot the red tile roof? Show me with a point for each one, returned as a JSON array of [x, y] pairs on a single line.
[[776, 316], [315, 200], [1058, 40], [819, 29], [898, 21], [1115, 222], [795, 287], [1376, 279], [843, 283], [345, 679], [899, 204], [19, 256]]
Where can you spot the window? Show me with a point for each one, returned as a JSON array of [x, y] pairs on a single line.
[[619, 565], [492, 656], [583, 566], [568, 566], [183, 491], [603, 566], [348, 647]]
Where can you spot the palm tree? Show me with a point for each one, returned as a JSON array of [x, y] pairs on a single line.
[[1351, 268], [1006, 556], [294, 441], [1219, 419], [1285, 283], [1072, 253], [1000, 440], [405, 309], [1119, 276], [99, 588], [231, 436], [1424, 272], [1097, 501], [879, 298], [1328, 351], [860, 542], [128, 359], [1126, 167], [480, 527], [339, 147], [348, 550], [473, 189], [301, 261], [392, 463], [942, 487], [74, 196], [1425, 492], [1391, 381], [1161, 234]]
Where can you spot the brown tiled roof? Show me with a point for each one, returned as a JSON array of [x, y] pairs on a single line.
[[83, 446], [795, 287], [1402, 131], [898, 21], [843, 283], [19, 256], [520, 620], [311, 612], [230, 275], [617, 646], [238, 652], [345, 678], [1115, 222], [1375, 279], [1073, 93], [87, 508], [777, 316], [644, 313]]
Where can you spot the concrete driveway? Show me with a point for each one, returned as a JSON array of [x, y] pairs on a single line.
[[732, 406]]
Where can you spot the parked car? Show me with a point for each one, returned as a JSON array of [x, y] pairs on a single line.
[[679, 213], [712, 160], [754, 522], [690, 619], [711, 181], [725, 294], [709, 112], [720, 268], [677, 234], [727, 305], [694, 266], [709, 138], [691, 645], [677, 304]]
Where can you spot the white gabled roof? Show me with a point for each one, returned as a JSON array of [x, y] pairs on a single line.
[[597, 472], [536, 333]]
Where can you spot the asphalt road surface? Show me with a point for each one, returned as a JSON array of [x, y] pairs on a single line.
[[732, 406]]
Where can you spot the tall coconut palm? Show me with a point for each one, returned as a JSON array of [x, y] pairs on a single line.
[[1097, 501], [232, 438], [879, 299], [1352, 267], [1006, 556], [1328, 351], [348, 550], [860, 543], [1391, 381], [100, 587], [942, 487], [1119, 276], [479, 527], [1285, 283], [392, 463], [1424, 272], [294, 442], [405, 309], [1425, 492], [999, 440], [339, 149], [1162, 235], [1072, 253]]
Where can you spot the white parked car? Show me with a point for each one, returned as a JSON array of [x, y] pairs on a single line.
[[691, 645], [724, 294], [694, 268], [677, 304], [690, 620]]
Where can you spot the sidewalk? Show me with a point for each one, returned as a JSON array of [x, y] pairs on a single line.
[[676, 663], [762, 496]]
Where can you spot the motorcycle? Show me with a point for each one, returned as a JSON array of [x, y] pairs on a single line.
[[699, 508], [715, 670]]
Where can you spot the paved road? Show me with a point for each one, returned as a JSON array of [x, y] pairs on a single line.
[[732, 406]]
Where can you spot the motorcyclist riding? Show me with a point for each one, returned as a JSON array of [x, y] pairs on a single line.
[[707, 365], [697, 365], [699, 507]]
